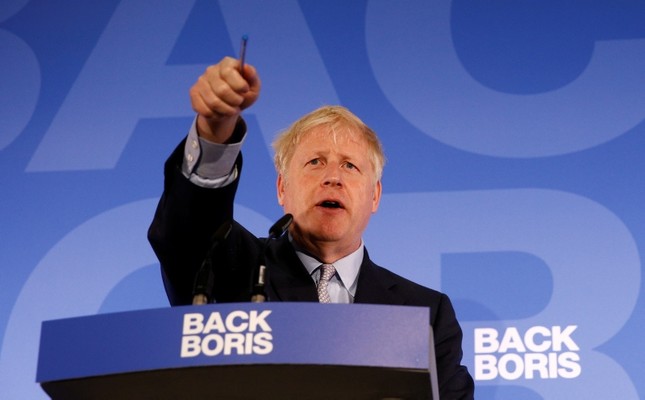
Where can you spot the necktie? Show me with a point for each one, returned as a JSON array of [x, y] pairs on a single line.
[[327, 272]]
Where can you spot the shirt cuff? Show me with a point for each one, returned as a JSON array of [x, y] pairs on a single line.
[[209, 164]]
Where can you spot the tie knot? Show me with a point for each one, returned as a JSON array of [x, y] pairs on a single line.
[[327, 272]]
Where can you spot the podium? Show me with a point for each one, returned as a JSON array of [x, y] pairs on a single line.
[[241, 351]]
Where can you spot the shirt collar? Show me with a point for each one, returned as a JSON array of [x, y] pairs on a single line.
[[347, 267]]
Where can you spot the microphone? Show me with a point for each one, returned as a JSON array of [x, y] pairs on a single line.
[[278, 229], [204, 280]]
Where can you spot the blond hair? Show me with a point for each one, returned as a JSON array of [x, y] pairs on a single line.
[[334, 117]]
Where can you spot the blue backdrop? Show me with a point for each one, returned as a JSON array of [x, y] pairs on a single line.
[[514, 132]]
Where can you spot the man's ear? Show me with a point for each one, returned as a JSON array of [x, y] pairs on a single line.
[[280, 189], [377, 196]]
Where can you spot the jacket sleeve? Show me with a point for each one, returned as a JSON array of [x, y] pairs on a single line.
[[185, 220], [454, 380]]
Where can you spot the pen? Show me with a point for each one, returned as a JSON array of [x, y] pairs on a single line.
[[245, 38]]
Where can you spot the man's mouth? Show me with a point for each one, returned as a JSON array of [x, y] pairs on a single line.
[[330, 204]]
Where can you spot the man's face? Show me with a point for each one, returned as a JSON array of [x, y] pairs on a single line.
[[331, 190]]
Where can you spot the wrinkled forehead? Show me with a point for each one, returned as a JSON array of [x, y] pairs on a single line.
[[339, 134]]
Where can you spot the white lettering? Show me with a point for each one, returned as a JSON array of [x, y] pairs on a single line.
[[259, 320], [233, 333], [233, 341], [570, 365], [190, 346], [486, 340], [193, 324], [214, 323], [536, 362], [511, 366], [230, 321], [512, 341], [508, 358], [529, 339], [485, 367], [561, 337], [263, 343], [210, 350]]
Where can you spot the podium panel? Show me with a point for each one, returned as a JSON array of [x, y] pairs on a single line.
[[240, 351]]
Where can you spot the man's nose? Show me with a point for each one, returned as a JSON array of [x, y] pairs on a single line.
[[332, 177]]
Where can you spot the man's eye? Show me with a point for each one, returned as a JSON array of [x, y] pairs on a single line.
[[349, 165], [315, 161]]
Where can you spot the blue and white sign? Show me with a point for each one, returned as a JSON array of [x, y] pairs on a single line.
[[514, 132], [303, 334]]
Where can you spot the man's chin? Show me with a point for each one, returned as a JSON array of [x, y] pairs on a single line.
[[320, 235]]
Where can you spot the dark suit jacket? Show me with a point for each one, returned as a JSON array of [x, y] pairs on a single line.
[[181, 233]]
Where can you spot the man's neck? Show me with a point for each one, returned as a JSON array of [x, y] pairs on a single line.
[[325, 251]]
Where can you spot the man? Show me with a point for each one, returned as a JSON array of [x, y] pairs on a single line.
[[329, 168]]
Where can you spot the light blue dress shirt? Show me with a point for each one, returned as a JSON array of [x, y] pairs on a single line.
[[342, 286]]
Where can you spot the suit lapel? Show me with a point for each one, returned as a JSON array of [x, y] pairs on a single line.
[[374, 286], [289, 279]]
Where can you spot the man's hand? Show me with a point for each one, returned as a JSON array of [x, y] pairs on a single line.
[[220, 95]]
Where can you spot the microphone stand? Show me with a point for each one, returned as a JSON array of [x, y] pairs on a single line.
[[205, 279], [258, 293]]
